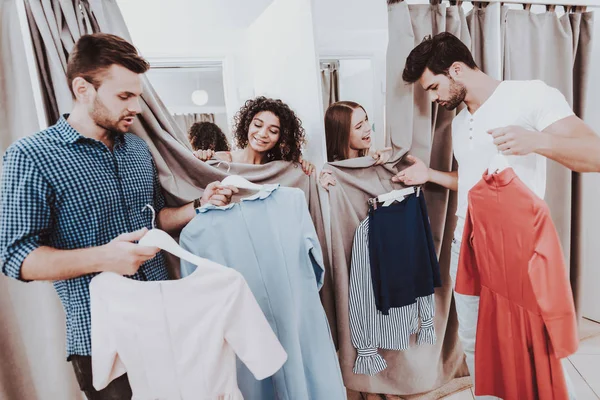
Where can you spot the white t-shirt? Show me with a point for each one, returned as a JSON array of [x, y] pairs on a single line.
[[532, 105]]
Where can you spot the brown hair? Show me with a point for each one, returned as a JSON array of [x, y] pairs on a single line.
[[338, 124], [94, 54]]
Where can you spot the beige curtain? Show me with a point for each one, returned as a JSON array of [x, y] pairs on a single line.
[[185, 121], [55, 27], [32, 340], [330, 84], [557, 51]]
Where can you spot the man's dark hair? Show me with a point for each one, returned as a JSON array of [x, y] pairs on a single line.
[[436, 53], [207, 136], [94, 54]]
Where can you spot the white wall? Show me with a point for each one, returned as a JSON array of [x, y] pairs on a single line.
[[184, 28], [284, 62], [356, 84]]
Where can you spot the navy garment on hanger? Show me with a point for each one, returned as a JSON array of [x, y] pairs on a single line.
[[404, 264]]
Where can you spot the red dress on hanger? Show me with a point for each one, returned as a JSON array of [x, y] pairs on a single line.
[[511, 257]]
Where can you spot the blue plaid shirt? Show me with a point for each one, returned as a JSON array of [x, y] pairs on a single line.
[[63, 190]]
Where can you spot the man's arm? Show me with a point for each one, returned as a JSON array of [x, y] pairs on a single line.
[[418, 173], [120, 256], [26, 222], [568, 141], [173, 219], [572, 143]]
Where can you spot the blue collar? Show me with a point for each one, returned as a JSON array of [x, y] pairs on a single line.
[[262, 194]]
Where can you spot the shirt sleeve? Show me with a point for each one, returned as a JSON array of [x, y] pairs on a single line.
[[549, 106], [25, 211], [467, 275], [362, 309], [250, 335], [313, 246], [106, 364], [159, 198], [550, 282]]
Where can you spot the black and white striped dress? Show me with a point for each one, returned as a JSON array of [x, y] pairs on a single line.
[[369, 328]]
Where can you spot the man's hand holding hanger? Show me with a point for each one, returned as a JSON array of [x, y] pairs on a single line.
[[217, 194]]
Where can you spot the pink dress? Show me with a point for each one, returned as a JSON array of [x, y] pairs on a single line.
[[178, 340]]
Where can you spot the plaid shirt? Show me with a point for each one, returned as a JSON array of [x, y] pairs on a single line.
[[66, 191]]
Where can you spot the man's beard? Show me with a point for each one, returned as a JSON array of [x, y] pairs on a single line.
[[458, 92], [101, 117]]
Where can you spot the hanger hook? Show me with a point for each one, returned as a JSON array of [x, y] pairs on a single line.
[[153, 214], [226, 162]]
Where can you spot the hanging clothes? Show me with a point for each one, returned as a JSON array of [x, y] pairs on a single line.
[[270, 239], [511, 257], [404, 263], [177, 340], [369, 328], [418, 369]]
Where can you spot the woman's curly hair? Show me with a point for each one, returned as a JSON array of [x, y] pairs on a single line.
[[291, 132], [207, 136]]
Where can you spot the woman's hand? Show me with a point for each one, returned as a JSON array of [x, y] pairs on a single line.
[[204, 155], [382, 156], [327, 179], [307, 167]]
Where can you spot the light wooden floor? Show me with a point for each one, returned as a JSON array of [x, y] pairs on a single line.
[[584, 366]]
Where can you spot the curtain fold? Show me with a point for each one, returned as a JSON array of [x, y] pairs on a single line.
[[32, 341], [330, 84], [556, 50], [185, 121]]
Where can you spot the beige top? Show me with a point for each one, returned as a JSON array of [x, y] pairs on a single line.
[[177, 340]]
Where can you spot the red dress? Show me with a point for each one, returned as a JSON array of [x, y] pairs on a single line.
[[511, 257]]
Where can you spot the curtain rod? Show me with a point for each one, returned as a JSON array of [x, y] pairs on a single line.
[[568, 5]]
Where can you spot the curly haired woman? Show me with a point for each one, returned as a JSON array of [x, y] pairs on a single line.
[[265, 130], [207, 136]]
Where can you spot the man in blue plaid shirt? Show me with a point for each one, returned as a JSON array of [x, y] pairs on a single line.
[[72, 195]]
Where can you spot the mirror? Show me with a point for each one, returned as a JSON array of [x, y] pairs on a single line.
[[192, 91], [351, 38]]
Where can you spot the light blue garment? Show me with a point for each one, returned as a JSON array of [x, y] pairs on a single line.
[[271, 240]]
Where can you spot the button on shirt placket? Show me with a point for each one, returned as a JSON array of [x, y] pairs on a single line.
[[471, 133], [118, 149]]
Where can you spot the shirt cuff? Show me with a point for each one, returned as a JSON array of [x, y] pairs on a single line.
[[427, 333], [11, 267], [369, 362], [563, 335]]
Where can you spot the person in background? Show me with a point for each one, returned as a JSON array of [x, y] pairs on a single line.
[[205, 136], [348, 135], [72, 196], [265, 130]]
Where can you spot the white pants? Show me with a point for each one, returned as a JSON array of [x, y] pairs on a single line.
[[467, 309]]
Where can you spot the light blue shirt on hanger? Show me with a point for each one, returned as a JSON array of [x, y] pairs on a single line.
[[270, 239]]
